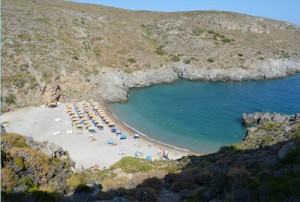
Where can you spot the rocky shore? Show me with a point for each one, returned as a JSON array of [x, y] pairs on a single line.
[[270, 128], [116, 83]]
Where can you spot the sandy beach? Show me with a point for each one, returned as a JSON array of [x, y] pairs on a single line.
[[85, 148]]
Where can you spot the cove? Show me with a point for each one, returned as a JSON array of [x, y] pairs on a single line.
[[203, 116]]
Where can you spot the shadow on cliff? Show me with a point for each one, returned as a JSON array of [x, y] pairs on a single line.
[[82, 193], [270, 173]]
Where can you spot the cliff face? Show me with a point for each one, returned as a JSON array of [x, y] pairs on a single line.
[[57, 50]]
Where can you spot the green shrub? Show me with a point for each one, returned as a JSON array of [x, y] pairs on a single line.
[[159, 50], [198, 30], [175, 58], [95, 71], [261, 58], [132, 60], [97, 51], [210, 60], [188, 61], [240, 54], [226, 40], [133, 165], [10, 99]]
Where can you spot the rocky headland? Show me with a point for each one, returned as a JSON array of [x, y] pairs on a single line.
[[59, 50]]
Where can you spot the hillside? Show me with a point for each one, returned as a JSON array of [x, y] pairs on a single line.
[[264, 167], [57, 50]]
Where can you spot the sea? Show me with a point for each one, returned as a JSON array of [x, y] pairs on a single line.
[[203, 116]]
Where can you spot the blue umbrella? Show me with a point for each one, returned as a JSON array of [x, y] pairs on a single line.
[[110, 142], [123, 137], [113, 129]]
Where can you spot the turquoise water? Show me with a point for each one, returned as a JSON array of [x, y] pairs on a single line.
[[203, 116]]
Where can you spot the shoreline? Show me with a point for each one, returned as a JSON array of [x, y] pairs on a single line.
[[128, 129], [86, 149]]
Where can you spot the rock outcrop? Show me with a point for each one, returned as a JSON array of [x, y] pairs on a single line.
[[26, 168], [263, 117], [270, 128]]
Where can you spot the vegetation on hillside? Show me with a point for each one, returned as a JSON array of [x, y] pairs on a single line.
[[263, 167], [56, 42]]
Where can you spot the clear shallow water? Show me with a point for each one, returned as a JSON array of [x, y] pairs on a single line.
[[203, 116]]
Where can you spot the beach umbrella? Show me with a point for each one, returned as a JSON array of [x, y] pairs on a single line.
[[99, 124], [76, 123], [148, 158], [81, 115], [123, 137], [96, 121], [110, 141], [119, 132], [79, 126], [136, 136], [91, 128], [84, 119], [75, 119], [111, 124], [113, 129]]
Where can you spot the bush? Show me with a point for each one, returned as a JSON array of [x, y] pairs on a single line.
[[73, 182], [226, 40], [198, 30], [210, 60], [133, 165], [153, 183], [188, 61], [175, 58], [240, 54], [159, 50], [132, 60], [10, 99]]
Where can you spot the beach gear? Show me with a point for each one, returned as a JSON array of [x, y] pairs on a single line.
[[110, 141], [113, 129], [123, 137], [137, 153], [149, 158], [136, 136]]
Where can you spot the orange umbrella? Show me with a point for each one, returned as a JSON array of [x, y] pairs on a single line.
[[79, 126]]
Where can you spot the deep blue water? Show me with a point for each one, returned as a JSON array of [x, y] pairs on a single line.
[[203, 116]]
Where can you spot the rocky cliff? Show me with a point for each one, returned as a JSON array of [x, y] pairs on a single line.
[[58, 50]]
